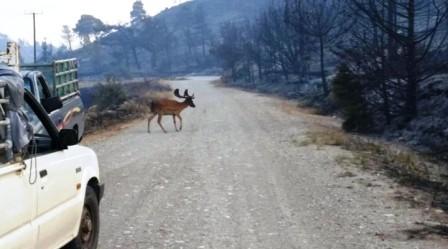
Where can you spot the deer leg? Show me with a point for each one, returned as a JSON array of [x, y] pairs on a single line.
[[180, 118], [159, 120], [175, 124], [149, 121]]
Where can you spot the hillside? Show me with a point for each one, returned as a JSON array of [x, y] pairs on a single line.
[[178, 40], [216, 12]]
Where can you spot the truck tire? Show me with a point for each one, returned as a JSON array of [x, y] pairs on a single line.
[[89, 228]]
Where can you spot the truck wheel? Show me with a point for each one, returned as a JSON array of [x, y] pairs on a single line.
[[90, 224]]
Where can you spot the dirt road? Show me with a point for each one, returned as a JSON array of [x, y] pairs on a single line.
[[235, 177]]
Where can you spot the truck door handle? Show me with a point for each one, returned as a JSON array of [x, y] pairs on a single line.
[[43, 173]]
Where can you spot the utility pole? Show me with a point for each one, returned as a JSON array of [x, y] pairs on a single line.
[[34, 34]]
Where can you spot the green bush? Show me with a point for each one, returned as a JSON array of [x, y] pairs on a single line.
[[348, 95], [110, 95]]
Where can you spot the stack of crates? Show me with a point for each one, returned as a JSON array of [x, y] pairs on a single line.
[[61, 75], [65, 77]]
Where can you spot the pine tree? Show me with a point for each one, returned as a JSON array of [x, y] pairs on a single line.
[[138, 12], [348, 94], [47, 52]]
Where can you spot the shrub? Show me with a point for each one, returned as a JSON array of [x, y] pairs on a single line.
[[110, 95], [348, 95]]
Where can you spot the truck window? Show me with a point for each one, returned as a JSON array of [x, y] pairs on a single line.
[[28, 84]]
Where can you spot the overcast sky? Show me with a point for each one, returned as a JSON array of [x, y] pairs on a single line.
[[54, 13]]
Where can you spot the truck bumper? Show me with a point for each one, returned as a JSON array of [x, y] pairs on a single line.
[[101, 191]]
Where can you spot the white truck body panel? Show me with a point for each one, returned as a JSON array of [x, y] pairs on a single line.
[[45, 214], [17, 207]]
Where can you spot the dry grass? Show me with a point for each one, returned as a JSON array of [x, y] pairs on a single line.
[[325, 138], [405, 165], [415, 171]]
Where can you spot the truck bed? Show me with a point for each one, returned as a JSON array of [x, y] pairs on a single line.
[[61, 75]]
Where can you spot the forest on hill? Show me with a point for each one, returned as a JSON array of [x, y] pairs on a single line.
[[381, 64], [176, 41]]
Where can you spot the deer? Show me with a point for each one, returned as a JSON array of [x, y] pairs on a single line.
[[168, 107]]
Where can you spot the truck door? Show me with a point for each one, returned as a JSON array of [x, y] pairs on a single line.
[[17, 207], [58, 209]]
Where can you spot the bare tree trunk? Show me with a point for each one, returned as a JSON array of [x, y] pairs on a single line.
[[154, 59], [126, 62], [260, 72], [233, 74], [134, 54], [392, 15], [285, 71], [251, 73], [322, 66], [380, 40], [411, 67], [203, 45]]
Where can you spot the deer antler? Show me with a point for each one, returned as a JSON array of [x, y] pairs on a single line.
[[186, 95], [176, 93]]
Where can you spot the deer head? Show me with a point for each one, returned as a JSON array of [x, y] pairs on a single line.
[[188, 99]]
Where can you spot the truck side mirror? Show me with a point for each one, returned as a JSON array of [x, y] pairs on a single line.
[[51, 104], [68, 137]]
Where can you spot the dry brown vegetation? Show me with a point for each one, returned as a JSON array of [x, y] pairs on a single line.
[[139, 97], [407, 167], [372, 154]]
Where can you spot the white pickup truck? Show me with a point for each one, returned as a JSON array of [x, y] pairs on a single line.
[[50, 187]]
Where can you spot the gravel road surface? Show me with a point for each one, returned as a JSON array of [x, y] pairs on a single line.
[[236, 177]]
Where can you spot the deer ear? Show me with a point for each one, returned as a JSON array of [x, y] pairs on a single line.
[[186, 93]]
